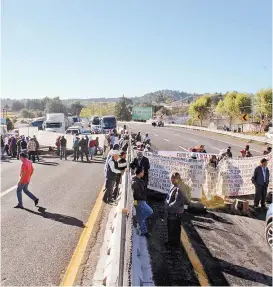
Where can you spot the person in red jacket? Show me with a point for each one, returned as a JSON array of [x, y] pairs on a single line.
[[25, 175], [92, 147]]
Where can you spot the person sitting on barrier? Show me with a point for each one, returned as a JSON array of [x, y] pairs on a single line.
[[249, 154], [143, 210], [138, 137], [175, 202], [111, 173], [213, 161], [141, 161], [267, 151]]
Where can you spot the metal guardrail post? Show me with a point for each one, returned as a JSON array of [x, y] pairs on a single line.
[[123, 225]]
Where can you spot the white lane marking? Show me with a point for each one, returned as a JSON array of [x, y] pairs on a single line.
[[166, 140], [217, 148], [230, 144], [8, 190], [183, 148], [156, 135], [187, 139]]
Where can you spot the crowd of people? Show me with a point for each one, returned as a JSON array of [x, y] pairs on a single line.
[[13, 145]]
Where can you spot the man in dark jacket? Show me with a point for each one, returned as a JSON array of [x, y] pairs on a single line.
[[260, 179], [84, 148], [142, 161], [63, 142], [143, 210], [175, 207]]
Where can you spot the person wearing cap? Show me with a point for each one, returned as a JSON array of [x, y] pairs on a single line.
[[143, 210], [111, 172], [175, 202], [141, 161], [260, 179], [76, 148]]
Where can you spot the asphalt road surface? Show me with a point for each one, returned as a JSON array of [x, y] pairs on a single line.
[[38, 242], [231, 248], [179, 139]]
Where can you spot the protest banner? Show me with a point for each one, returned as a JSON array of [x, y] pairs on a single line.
[[232, 177], [191, 172], [183, 154]]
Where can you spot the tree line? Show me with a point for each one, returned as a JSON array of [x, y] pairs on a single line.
[[234, 106]]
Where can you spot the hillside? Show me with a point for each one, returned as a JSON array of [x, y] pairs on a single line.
[[164, 96]]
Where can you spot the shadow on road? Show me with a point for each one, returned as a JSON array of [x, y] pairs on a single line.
[[68, 220], [51, 163], [215, 267], [173, 267]]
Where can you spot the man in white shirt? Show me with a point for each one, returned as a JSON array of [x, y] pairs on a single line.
[[111, 171]]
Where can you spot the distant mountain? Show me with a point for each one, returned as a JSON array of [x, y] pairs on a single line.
[[165, 96]]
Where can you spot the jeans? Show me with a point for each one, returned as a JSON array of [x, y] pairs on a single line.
[[143, 211], [24, 187], [63, 153], [31, 155], [76, 153], [92, 151], [109, 189]]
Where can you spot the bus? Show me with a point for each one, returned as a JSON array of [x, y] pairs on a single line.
[[108, 123]]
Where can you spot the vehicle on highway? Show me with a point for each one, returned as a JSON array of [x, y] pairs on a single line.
[[95, 129], [86, 132], [108, 123], [74, 130], [269, 226], [56, 122], [160, 124], [39, 122], [78, 124]]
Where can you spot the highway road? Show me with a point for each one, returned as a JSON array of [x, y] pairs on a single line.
[[230, 249], [38, 242], [179, 139]]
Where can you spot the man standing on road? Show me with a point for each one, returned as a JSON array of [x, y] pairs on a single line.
[[37, 147], [31, 147], [76, 149], [260, 179], [111, 172], [143, 210], [63, 142], [84, 148], [25, 175], [175, 207]]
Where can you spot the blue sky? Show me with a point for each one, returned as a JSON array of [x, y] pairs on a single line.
[[86, 48]]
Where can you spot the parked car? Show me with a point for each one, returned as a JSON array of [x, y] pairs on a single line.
[[269, 226]]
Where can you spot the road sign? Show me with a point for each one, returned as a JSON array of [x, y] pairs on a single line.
[[245, 117]]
